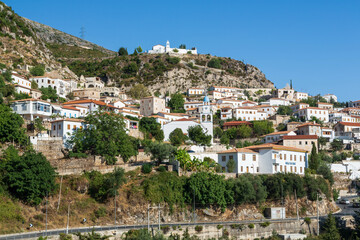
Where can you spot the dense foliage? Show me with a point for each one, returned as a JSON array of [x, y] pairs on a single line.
[[151, 128], [198, 136], [105, 135], [160, 151], [37, 70], [176, 103], [177, 137], [29, 177], [284, 110], [11, 126], [49, 93]]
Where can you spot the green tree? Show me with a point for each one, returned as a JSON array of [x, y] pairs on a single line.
[[49, 93], [177, 137], [262, 127], [218, 132], [160, 151], [104, 135], [11, 126], [182, 46], [231, 165], [208, 189], [337, 145], [314, 160], [325, 171], [284, 110], [30, 177], [38, 125], [38, 70], [139, 91], [139, 49], [123, 51], [34, 85], [214, 63], [244, 131], [330, 230], [103, 186], [198, 136], [151, 128], [176, 103], [225, 139]]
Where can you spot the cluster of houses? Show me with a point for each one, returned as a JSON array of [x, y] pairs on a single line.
[[282, 151]]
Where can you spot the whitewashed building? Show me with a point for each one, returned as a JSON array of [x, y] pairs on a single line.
[[32, 108], [249, 114], [62, 87], [265, 159], [159, 49], [319, 113], [64, 128], [328, 97]]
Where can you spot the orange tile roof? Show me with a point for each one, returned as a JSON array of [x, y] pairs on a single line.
[[69, 120], [350, 124], [300, 137], [237, 150], [308, 124], [275, 147], [71, 108]]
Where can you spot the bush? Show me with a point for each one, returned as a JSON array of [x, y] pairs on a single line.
[[173, 60], [198, 228], [146, 168], [100, 212], [77, 155], [251, 226], [38, 70], [265, 224], [214, 63], [307, 220], [161, 169], [165, 229], [219, 226]]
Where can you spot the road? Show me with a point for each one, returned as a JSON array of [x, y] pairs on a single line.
[[129, 227], [348, 209]]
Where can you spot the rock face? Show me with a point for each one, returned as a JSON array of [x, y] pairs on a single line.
[[51, 35]]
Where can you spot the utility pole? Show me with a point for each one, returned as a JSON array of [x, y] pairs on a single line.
[[46, 220], [148, 218], [159, 216], [67, 224], [115, 207], [82, 32], [194, 206], [317, 205], [297, 208]]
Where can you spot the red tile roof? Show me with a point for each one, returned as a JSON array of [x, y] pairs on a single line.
[[350, 124], [300, 137]]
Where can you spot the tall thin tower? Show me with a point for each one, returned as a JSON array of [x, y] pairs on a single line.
[[82, 32]]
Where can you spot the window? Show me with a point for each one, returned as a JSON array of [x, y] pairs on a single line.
[[281, 168], [300, 158], [294, 157], [223, 158], [285, 169], [257, 169], [68, 126], [284, 156], [242, 169], [254, 157], [306, 143], [280, 156], [247, 169], [54, 128], [291, 157], [291, 168], [294, 169], [74, 127], [59, 127], [231, 157], [243, 157], [300, 169]]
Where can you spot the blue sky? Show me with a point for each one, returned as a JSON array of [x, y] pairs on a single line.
[[314, 43]]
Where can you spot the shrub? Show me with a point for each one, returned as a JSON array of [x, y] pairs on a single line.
[[77, 155], [173, 60], [38, 70], [100, 212], [198, 228], [161, 169], [307, 220], [251, 226], [214, 63], [165, 229], [146, 168], [219, 226], [265, 224], [64, 236]]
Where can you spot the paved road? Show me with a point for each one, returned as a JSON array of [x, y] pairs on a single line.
[[127, 227], [348, 209]]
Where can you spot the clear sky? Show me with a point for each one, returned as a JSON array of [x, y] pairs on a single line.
[[316, 43]]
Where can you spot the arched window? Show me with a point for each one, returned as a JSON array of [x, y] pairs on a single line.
[[203, 118], [209, 118]]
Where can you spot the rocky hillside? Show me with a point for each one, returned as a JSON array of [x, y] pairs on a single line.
[[25, 43], [167, 73]]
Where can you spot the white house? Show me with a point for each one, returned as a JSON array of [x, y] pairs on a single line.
[[195, 91], [300, 96], [276, 102], [32, 108], [92, 105], [62, 87], [20, 80], [70, 112], [21, 89], [159, 49], [319, 113], [173, 116], [276, 136], [64, 128], [299, 106], [249, 114], [265, 159], [183, 124], [328, 97]]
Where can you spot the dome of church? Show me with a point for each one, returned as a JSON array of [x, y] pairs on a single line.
[[206, 99]]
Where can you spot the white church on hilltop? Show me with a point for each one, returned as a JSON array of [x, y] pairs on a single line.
[[167, 49]]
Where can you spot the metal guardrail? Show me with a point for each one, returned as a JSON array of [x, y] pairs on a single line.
[[129, 227]]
